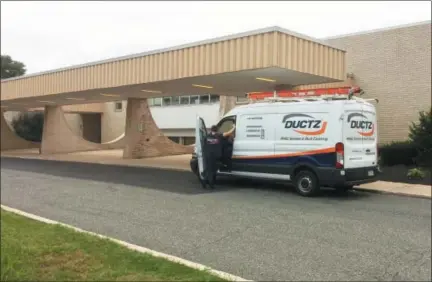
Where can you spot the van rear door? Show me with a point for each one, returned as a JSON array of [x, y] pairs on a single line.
[[369, 135], [360, 136]]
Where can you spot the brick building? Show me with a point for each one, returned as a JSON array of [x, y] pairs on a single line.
[[392, 64]]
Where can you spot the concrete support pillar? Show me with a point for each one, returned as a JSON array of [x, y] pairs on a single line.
[[226, 104], [11, 141], [143, 139], [57, 137]]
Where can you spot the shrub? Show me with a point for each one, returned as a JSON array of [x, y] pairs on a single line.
[[29, 126], [421, 136], [397, 153], [415, 173]]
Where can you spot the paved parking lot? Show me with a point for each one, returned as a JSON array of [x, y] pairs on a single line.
[[256, 230]]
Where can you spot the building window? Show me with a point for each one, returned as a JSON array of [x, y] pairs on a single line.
[[194, 100], [188, 141], [175, 100], [157, 102], [242, 99], [205, 99], [166, 101], [214, 98], [118, 106], [174, 139], [184, 100]]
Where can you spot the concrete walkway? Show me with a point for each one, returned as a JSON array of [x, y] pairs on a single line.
[[181, 162]]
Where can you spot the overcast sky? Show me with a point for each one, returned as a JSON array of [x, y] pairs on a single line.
[[49, 35]]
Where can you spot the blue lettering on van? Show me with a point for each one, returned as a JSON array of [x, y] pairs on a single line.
[[303, 124], [361, 124], [310, 122]]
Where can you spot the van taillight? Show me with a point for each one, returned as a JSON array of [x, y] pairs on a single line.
[[339, 155]]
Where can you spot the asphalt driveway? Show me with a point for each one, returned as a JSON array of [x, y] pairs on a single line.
[[256, 230]]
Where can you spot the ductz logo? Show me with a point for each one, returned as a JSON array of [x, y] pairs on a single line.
[[305, 124], [367, 127]]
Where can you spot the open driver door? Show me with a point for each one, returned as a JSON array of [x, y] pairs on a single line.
[[200, 146]]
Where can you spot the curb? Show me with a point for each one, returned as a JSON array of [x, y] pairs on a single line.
[[98, 162], [194, 265], [373, 191]]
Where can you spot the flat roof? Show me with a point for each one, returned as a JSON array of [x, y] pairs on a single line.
[[184, 46], [377, 30]]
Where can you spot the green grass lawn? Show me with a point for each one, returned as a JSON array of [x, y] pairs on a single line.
[[31, 251]]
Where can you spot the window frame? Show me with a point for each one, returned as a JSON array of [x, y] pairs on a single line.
[[155, 104], [116, 109], [208, 99], [214, 101], [175, 100], [242, 100], [190, 99], [225, 119], [185, 97], [166, 98], [188, 138]]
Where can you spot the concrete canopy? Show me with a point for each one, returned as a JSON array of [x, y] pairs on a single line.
[[259, 60]]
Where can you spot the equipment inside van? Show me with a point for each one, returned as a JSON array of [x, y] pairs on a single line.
[[312, 142]]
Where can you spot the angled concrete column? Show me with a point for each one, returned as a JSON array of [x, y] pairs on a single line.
[[117, 143], [57, 137], [226, 104], [11, 141], [143, 138]]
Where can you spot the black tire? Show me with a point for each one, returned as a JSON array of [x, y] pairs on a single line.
[[306, 183], [194, 166]]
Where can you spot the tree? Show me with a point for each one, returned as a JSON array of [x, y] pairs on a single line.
[[29, 126], [11, 68], [26, 125], [421, 136]]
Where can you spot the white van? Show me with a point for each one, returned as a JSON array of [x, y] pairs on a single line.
[[312, 143]]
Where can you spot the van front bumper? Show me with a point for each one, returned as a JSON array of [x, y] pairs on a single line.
[[348, 177]]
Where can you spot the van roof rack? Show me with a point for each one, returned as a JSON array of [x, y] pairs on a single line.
[[331, 97]]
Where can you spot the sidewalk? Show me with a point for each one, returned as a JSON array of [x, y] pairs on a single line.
[[397, 188], [181, 162]]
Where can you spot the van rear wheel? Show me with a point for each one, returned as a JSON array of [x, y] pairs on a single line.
[[306, 183]]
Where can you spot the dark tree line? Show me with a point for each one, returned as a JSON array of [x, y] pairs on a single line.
[[27, 125]]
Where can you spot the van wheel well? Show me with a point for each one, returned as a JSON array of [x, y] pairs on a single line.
[[306, 181], [302, 168]]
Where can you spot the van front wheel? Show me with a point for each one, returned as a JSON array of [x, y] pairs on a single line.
[[306, 183]]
